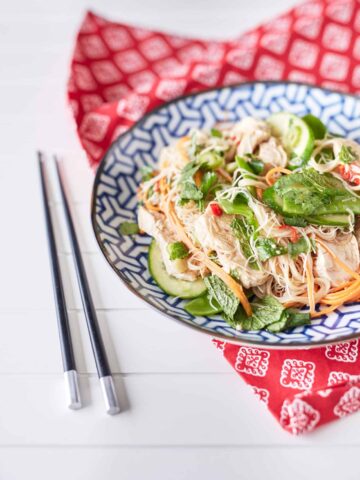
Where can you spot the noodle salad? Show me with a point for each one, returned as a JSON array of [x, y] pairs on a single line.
[[256, 221]]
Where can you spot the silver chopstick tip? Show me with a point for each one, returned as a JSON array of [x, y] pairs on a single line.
[[73, 399], [109, 393]]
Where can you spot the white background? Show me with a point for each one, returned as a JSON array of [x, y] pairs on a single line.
[[186, 413]]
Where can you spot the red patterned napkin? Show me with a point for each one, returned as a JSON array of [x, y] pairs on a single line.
[[118, 73]]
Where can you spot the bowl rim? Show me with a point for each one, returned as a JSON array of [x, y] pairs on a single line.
[[218, 336]]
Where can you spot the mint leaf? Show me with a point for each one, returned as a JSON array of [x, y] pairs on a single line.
[[266, 311], [220, 292], [269, 314], [177, 250], [296, 318], [244, 231], [128, 228], [289, 319]]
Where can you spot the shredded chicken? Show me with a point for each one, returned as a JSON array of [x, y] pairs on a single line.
[[272, 153], [346, 250], [215, 234], [251, 133]]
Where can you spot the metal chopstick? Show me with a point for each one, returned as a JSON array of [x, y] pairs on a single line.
[[67, 353], [101, 361]]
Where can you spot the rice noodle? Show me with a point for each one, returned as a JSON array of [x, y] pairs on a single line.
[[284, 277]]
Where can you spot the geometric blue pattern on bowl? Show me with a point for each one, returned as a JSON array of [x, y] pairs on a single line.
[[118, 177]]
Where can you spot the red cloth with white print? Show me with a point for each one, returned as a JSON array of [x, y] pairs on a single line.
[[118, 73]]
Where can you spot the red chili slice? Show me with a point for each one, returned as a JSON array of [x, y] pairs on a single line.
[[216, 209], [294, 234], [350, 173]]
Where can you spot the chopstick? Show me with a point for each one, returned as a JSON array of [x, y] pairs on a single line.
[[67, 353], [97, 344]]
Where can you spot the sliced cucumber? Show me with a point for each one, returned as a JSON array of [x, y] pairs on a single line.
[[335, 220], [273, 200], [201, 306], [327, 216], [171, 285], [295, 135]]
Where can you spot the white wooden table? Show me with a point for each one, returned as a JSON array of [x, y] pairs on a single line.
[[186, 413]]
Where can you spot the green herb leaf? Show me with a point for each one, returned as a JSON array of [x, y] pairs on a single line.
[[295, 221], [266, 311], [208, 181], [188, 172], [177, 250], [238, 206], [242, 163], [244, 231], [221, 293], [308, 193], [347, 155], [189, 191], [256, 165], [269, 314], [267, 248], [128, 228], [304, 245], [289, 319], [146, 173], [296, 318], [215, 133]]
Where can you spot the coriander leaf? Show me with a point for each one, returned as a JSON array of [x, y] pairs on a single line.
[[222, 294], [128, 228], [347, 155], [215, 133], [177, 250], [146, 173], [295, 221], [267, 248], [183, 201], [189, 191], [188, 171]]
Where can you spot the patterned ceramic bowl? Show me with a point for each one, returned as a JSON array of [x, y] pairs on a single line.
[[117, 179]]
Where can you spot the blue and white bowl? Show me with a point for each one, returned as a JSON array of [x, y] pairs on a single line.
[[118, 177]]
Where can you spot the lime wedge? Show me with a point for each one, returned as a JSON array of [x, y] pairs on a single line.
[[295, 135]]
